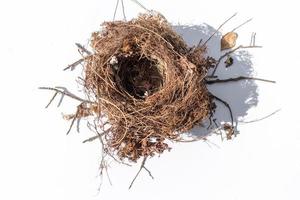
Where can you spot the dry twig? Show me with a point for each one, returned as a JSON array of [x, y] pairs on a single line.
[[141, 167], [203, 45], [237, 79]]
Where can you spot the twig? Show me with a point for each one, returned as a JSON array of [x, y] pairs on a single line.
[[252, 41], [62, 95], [123, 10], [239, 26], [142, 167], [226, 104], [83, 49], [108, 177], [218, 29], [115, 12], [149, 172], [97, 136], [199, 43], [73, 121], [138, 3], [237, 79], [78, 125], [72, 66], [67, 93], [230, 52], [55, 94], [265, 117], [90, 139]]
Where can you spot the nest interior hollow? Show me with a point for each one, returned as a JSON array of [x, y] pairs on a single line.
[[139, 76]]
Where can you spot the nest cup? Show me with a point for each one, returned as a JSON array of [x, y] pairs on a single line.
[[147, 83]]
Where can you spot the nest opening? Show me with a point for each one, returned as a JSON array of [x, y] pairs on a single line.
[[140, 76]]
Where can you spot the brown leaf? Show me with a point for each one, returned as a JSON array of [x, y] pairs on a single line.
[[228, 40]]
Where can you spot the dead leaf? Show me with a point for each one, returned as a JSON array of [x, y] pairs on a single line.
[[228, 40]]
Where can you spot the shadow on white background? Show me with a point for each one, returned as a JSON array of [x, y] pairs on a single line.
[[240, 95]]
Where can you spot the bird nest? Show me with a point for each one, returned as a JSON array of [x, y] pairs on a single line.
[[144, 87], [147, 83]]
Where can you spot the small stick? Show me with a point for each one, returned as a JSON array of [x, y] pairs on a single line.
[[230, 52], [67, 93], [239, 26], [73, 121], [265, 117], [108, 177], [123, 10], [237, 79], [95, 137], [254, 37], [138, 3], [219, 29], [72, 66], [55, 94], [142, 166], [91, 139], [251, 40], [149, 172], [78, 125], [83, 49], [199, 43], [115, 12], [227, 105], [62, 95], [214, 120]]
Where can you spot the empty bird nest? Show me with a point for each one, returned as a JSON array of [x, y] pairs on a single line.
[[147, 83], [144, 87]]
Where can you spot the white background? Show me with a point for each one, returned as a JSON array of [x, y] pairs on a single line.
[[38, 161]]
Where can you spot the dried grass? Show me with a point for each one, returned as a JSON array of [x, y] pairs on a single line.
[[150, 86]]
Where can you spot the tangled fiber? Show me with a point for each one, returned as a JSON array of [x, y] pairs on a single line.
[[147, 83], [144, 87]]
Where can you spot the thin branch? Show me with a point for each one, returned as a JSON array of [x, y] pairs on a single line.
[[252, 40], [199, 43], [230, 52], [149, 172], [75, 117], [237, 79], [141, 167], [218, 29], [73, 121], [78, 125], [72, 66], [91, 139], [62, 95], [116, 8], [108, 177], [123, 10], [83, 49], [138, 3], [239, 26], [265, 117], [51, 100], [67, 93], [96, 137], [226, 104]]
